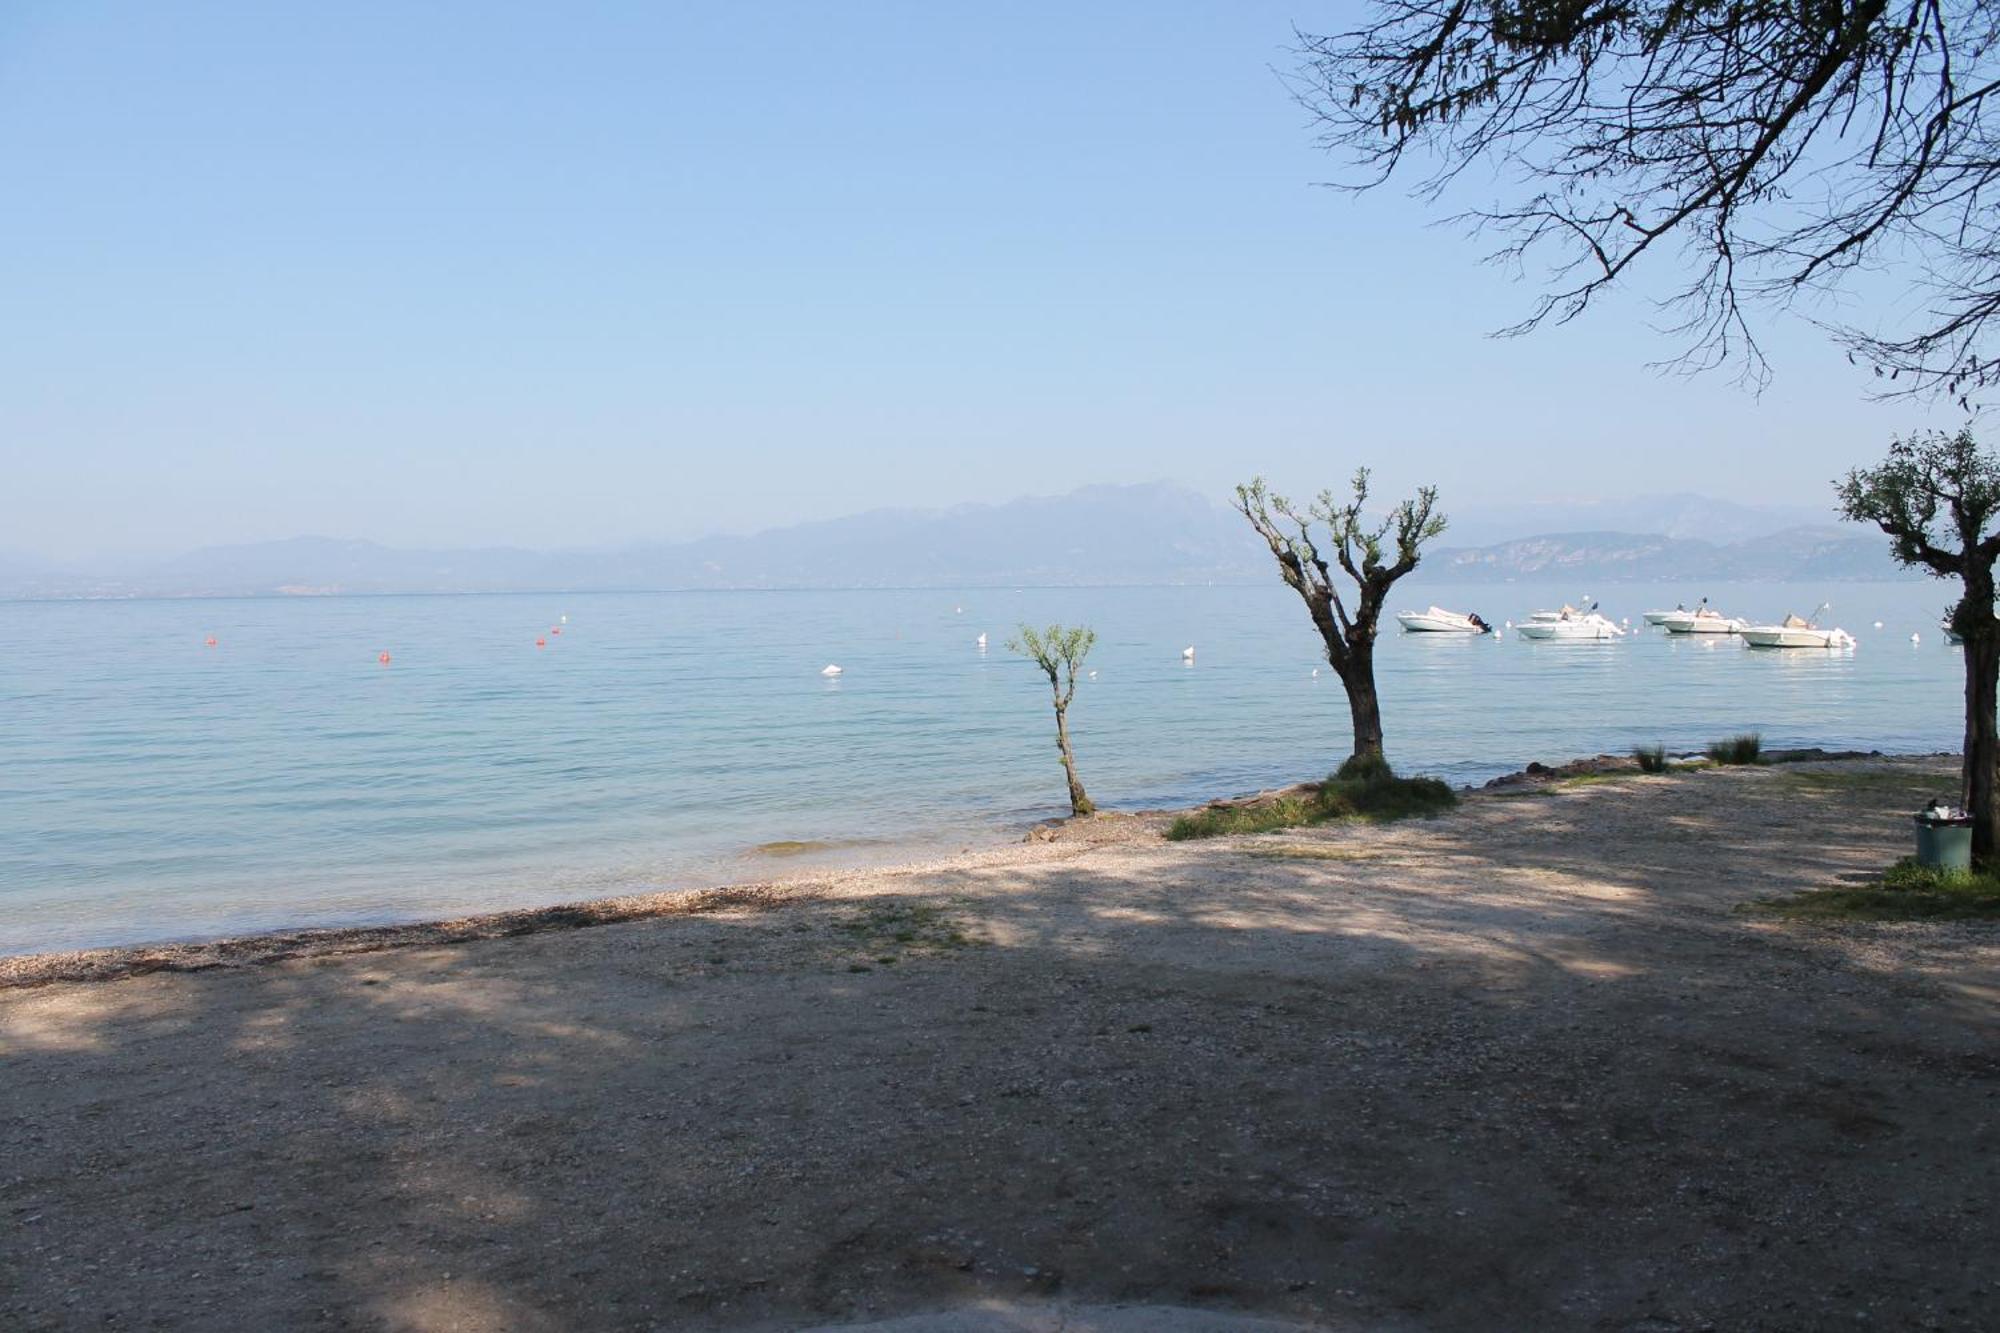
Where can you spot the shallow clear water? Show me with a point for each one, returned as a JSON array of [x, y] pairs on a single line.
[[157, 788]]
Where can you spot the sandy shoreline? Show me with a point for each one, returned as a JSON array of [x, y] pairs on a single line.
[[257, 948], [1524, 1065]]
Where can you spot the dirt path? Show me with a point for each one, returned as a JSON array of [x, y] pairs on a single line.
[[1521, 1067]]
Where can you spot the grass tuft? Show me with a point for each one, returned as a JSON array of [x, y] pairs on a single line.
[[1364, 768], [1379, 795], [1906, 892], [1652, 758], [914, 927], [1747, 748]]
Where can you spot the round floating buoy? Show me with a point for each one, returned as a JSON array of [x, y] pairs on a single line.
[[829, 670], [555, 629], [383, 659], [541, 643], [565, 620], [1916, 638], [1878, 624], [209, 641]]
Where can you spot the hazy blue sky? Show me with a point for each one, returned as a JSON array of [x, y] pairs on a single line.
[[584, 274]]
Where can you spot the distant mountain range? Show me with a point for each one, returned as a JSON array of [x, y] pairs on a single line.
[[1098, 535], [1816, 554]]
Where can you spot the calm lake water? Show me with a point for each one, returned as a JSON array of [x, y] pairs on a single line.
[[158, 788]]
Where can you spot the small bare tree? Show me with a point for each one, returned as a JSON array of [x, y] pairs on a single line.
[[1059, 652], [1935, 496], [1363, 553]]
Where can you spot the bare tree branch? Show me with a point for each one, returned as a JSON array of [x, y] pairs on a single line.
[[1786, 146]]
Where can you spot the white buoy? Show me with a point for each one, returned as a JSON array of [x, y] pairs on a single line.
[[565, 620], [1315, 673], [1878, 624], [1187, 654], [1093, 675], [981, 641], [1916, 638], [829, 670], [958, 610]]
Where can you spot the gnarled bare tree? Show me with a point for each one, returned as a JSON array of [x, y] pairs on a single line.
[[1936, 495], [1779, 145], [1374, 556]]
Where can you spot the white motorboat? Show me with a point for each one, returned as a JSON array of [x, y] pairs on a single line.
[[1437, 620], [1796, 631], [1704, 619], [1540, 617], [1661, 617], [1569, 626]]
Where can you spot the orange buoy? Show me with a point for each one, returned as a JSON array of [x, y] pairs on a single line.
[[210, 641], [383, 659], [541, 643]]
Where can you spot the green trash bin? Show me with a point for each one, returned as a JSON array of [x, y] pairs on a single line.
[[1944, 842]]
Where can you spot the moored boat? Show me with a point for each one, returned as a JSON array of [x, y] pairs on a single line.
[[1704, 619], [1569, 625], [1437, 620], [1796, 631]]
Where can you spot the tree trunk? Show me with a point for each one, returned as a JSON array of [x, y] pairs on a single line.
[[1982, 733], [1363, 704], [1079, 804]]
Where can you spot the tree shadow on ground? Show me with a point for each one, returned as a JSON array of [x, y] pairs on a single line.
[[1519, 1067]]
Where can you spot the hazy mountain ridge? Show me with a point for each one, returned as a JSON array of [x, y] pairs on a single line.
[[1803, 554], [1681, 515], [1155, 533]]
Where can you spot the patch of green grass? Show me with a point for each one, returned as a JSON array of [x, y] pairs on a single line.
[[1747, 748], [1652, 758], [1906, 892], [1364, 768], [912, 927], [1376, 794], [1307, 853]]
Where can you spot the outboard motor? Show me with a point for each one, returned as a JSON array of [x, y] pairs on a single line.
[[1484, 628]]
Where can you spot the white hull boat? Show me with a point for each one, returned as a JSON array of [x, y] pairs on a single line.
[[1585, 628], [1703, 621], [1796, 632], [1661, 617], [1437, 620]]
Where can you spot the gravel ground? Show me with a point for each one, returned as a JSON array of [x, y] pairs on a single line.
[[1520, 1067]]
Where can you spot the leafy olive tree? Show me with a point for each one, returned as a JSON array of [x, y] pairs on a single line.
[[1936, 495], [1059, 652], [1374, 556]]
